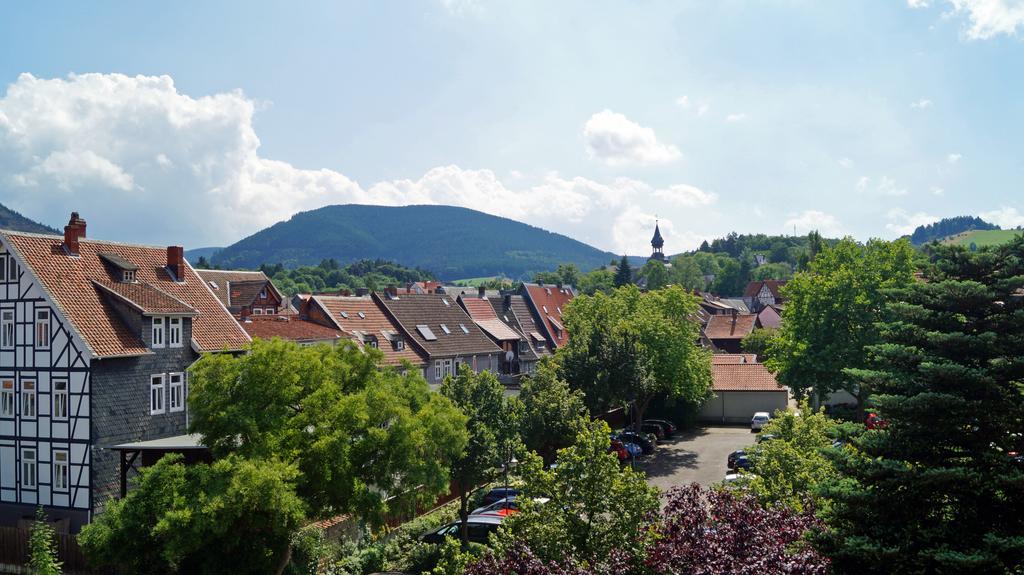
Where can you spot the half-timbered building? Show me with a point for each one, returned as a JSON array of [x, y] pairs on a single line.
[[96, 339]]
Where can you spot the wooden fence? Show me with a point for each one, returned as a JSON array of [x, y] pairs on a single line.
[[14, 551]]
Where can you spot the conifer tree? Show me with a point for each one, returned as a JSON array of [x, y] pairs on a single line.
[[936, 490], [624, 275]]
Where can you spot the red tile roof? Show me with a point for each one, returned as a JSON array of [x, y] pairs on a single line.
[[344, 312], [434, 312], [485, 317], [733, 358], [548, 302], [69, 282], [290, 328], [743, 377], [730, 326], [770, 317], [754, 288], [147, 299], [237, 288]]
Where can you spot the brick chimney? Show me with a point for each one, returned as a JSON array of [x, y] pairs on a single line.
[[176, 262], [482, 292], [74, 231]]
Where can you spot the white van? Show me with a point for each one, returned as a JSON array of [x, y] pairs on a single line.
[[760, 419]]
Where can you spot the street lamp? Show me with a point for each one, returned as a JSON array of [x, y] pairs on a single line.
[[511, 464]]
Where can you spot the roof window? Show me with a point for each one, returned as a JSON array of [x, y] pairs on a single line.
[[464, 328], [444, 300], [128, 276], [362, 315], [545, 308], [426, 333], [445, 329], [213, 284], [344, 314]]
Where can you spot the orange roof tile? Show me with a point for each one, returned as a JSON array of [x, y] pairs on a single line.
[[290, 328], [733, 358], [69, 282], [345, 312], [548, 302], [730, 326], [145, 298], [743, 377]]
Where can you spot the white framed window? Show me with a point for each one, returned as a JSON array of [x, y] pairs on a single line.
[[399, 344], [438, 373], [28, 398], [7, 398], [42, 329], [257, 311], [158, 332], [60, 398], [28, 468], [174, 332], [7, 329], [270, 311], [61, 471], [176, 392], [447, 367], [128, 276], [156, 394], [445, 329]]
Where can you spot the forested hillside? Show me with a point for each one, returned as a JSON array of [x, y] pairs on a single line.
[[12, 220], [948, 227]]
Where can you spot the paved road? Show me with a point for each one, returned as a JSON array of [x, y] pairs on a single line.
[[697, 455]]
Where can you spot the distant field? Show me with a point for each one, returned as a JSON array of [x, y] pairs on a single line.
[[982, 238], [473, 282]]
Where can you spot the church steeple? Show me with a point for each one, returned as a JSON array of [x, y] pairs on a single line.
[[657, 242]]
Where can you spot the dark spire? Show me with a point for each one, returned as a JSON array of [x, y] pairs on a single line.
[[657, 241]]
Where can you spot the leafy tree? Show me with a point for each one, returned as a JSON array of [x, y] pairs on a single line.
[[596, 506], [551, 411], [708, 262], [728, 281], [232, 516], [490, 423], [358, 434], [773, 271], [624, 273], [709, 531], [631, 347], [935, 490], [759, 342], [831, 312], [599, 280], [655, 273], [687, 273], [42, 547], [792, 465]]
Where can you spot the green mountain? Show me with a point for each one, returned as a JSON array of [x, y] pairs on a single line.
[[12, 220], [451, 242], [949, 227], [194, 254]]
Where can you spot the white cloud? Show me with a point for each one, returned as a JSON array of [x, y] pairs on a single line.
[[615, 140], [686, 195], [683, 102], [462, 7], [902, 223], [632, 230], [921, 104], [887, 187], [846, 162], [809, 220], [987, 18], [1005, 217], [917, 3], [862, 183], [953, 158], [938, 191], [737, 117]]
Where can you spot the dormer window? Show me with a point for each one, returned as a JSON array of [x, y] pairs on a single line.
[[119, 266], [399, 344], [128, 276]]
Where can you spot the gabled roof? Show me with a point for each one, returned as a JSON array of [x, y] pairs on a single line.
[[68, 280], [754, 288], [733, 358], [770, 317], [743, 377], [412, 310], [359, 316], [731, 326], [547, 302], [518, 317], [485, 317], [290, 328], [238, 288], [145, 298]]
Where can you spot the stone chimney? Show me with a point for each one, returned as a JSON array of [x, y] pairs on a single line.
[[482, 292], [74, 231], [362, 292], [507, 303], [176, 262]]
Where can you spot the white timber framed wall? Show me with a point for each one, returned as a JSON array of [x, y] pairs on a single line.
[[45, 434]]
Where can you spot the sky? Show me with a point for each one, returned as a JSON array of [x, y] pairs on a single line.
[[201, 123]]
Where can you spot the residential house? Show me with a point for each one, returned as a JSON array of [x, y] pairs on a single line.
[[518, 357], [291, 328], [245, 293], [437, 324], [546, 303], [514, 311], [762, 293], [741, 388], [726, 332], [363, 319], [96, 340], [770, 316]]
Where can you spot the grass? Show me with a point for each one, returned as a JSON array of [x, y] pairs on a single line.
[[982, 238]]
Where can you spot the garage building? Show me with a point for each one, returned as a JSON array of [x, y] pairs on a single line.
[[742, 387]]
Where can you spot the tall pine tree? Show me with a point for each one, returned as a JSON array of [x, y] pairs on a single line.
[[624, 275], [936, 490]]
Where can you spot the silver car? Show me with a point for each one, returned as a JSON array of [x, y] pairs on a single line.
[[760, 419]]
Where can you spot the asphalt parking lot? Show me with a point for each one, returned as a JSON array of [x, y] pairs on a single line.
[[697, 455]]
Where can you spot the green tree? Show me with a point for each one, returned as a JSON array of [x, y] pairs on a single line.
[[365, 439], [935, 490], [491, 427], [728, 281], [773, 271], [631, 347], [232, 516], [42, 547], [599, 280], [687, 273], [624, 274], [655, 273], [831, 312], [791, 467], [759, 342], [551, 411], [595, 507]]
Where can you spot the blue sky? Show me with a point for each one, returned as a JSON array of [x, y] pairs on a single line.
[[202, 123]]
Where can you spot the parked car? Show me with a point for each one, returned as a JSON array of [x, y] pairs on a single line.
[[640, 439], [633, 449], [497, 494], [619, 449], [742, 462], [479, 528], [761, 437], [731, 461], [655, 428], [505, 507], [669, 427], [760, 419], [874, 421]]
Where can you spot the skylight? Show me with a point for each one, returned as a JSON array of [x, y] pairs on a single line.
[[363, 315], [445, 329], [213, 284], [445, 300], [345, 314], [426, 333], [545, 308], [464, 328]]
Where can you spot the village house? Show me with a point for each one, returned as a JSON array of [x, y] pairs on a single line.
[[96, 340], [514, 310], [546, 303], [518, 354], [741, 388], [763, 293], [437, 324], [244, 293], [726, 332]]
